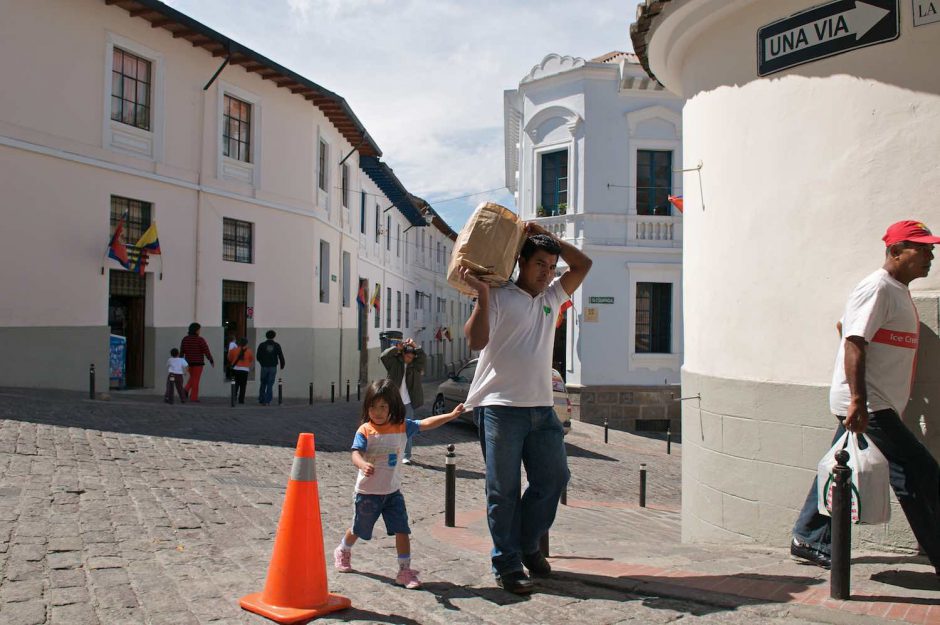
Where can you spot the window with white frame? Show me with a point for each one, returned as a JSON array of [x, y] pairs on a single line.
[[407, 310], [131, 89], [237, 240], [388, 307], [378, 222], [398, 309], [347, 279], [344, 192], [362, 212], [553, 184], [323, 166], [653, 182], [388, 233], [236, 129], [398, 241], [133, 86], [653, 318]]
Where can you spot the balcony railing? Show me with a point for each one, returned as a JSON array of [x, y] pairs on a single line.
[[616, 229]]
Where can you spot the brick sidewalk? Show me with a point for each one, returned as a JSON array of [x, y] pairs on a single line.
[[132, 511]]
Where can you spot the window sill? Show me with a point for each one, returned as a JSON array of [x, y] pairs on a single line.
[[131, 140], [241, 171]]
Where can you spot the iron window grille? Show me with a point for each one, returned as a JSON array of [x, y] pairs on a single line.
[[237, 240], [324, 160], [654, 318], [345, 188], [131, 80], [653, 182], [138, 217]]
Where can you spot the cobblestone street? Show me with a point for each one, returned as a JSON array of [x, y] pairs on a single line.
[[130, 511]]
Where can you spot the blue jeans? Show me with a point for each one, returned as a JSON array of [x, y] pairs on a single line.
[[915, 478], [266, 390], [409, 414], [534, 438]]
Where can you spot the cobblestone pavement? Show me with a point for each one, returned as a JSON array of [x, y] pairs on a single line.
[[133, 511]]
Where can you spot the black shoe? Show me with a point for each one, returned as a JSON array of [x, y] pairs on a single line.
[[799, 549], [537, 564], [516, 582]]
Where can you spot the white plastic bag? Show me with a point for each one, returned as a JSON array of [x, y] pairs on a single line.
[[870, 480]]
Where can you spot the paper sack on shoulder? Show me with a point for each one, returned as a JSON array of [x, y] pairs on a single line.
[[488, 245]]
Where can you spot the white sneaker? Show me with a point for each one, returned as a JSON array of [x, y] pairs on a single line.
[[342, 560], [408, 578]]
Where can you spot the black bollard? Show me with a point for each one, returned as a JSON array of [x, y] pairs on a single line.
[[450, 486], [91, 381], [347, 390], [233, 392], [332, 392], [564, 496], [668, 441], [642, 484], [311, 393], [841, 527], [543, 545], [280, 391], [358, 396], [605, 429]]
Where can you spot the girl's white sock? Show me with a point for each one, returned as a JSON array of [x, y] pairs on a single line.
[[344, 546], [404, 562]]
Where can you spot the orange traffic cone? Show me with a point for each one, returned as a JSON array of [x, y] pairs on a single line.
[[296, 586]]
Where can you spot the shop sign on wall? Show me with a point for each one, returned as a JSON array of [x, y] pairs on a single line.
[[825, 30], [590, 315], [926, 11]]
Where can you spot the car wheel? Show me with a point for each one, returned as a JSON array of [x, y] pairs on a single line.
[[438, 407]]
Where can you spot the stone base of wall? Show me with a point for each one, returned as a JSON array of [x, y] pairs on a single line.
[[628, 408]]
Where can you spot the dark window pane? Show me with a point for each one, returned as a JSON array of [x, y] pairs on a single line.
[[653, 317]]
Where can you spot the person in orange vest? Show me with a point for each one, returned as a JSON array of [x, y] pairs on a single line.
[[241, 359]]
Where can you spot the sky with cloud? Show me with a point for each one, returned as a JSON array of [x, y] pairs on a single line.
[[425, 77]]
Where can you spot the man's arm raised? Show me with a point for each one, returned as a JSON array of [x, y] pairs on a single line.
[[477, 328], [578, 263]]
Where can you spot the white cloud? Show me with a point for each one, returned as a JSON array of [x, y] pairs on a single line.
[[426, 77]]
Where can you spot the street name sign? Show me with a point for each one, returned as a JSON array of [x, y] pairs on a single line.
[[595, 299], [825, 30], [926, 11]]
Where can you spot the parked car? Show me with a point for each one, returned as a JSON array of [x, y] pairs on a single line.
[[455, 389]]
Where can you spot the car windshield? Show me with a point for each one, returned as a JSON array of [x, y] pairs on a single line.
[[466, 374]]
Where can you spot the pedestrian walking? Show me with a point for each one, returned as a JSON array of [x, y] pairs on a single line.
[[870, 387], [196, 351], [269, 356], [175, 366], [405, 364], [241, 359], [376, 451], [230, 344], [513, 405]]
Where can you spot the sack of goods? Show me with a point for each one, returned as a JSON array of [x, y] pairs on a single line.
[[870, 480], [488, 245]]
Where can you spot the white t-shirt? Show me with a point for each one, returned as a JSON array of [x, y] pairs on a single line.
[[405, 397], [515, 367], [879, 310], [176, 365]]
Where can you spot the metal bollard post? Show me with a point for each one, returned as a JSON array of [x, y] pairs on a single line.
[[450, 486], [347, 390], [332, 392], [564, 496], [358, 393], [668, 441], [841, 527], [311, 393], [91, 381], [543, 545], [232, 384], [280, 391], [605, 429], [642, 484]]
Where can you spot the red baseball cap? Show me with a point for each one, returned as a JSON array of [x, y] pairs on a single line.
[[913, 231]]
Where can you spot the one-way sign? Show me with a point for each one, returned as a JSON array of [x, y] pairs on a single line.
[[825, 30]]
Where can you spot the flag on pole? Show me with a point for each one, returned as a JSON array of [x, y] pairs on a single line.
[[561, 312], [438, 334], [116, 247], [676, 200], [140, 264], [377, 297], [363, 294], [149, 240], [447, 335]]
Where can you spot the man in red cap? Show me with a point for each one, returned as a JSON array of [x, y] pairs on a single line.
[[871, 385]]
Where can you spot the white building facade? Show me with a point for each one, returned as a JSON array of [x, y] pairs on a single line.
[[591, 148], [810, 147], [257, 178]]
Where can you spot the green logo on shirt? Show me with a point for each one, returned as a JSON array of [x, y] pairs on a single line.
[[547, 309]]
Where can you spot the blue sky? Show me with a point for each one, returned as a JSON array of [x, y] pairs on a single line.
[[426, 77]]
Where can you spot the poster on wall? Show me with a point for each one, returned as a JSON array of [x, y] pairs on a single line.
[[825, 30]]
